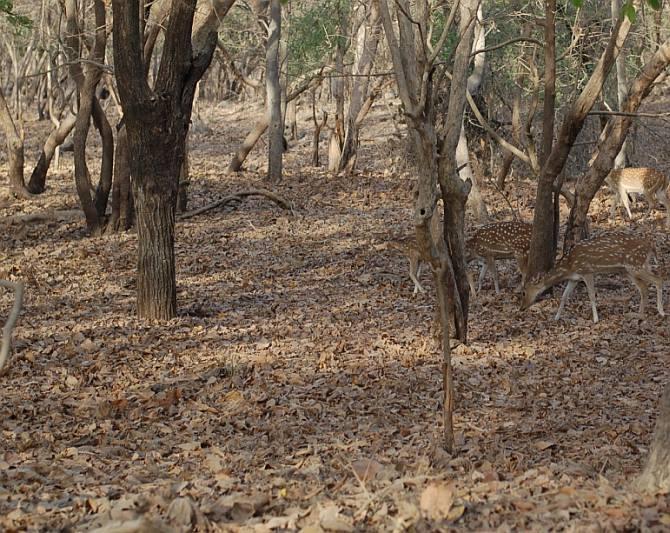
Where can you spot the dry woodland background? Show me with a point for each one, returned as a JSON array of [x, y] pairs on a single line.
[[300, 386]]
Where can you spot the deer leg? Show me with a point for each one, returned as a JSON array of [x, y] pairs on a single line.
[[642, 288], [656, 280], [522, 261], [591, 289], [415, 272], [566, 294], [662, 197], [491, 264], [471, 283], [626, 203], [482, 275]]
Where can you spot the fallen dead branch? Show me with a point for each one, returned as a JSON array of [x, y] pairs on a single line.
[[51, 215], [237, 197]]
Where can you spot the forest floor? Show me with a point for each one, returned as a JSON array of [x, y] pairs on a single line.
[[300, 386]]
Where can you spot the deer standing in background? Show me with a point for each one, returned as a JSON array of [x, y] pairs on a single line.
[[499, 240], [614, 252], [647, 181]]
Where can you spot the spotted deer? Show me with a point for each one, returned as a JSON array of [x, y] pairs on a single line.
[[613, 252], [499, 240], [647, 181]]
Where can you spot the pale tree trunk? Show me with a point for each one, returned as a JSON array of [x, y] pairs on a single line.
[[475, 198], [542, 248], [508, 157], [610, 145], [655, 477], [259, 128], [17, 185], [367, 41], [337, 85], [621, 85], [37, 182], [273, 89]]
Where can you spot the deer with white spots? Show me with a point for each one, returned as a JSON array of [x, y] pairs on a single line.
[[499, 240], [650, 182], [614, 252]]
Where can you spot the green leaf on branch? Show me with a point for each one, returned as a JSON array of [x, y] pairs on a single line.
[[655, 4], [629, 11], [577, 3]]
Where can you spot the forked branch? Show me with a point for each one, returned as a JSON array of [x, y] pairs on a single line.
[[17, 287]]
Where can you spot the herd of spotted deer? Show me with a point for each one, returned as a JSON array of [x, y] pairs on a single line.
[[611, 252]]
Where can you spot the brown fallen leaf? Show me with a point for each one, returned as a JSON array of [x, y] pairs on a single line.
[[436, 500], [366, 469], [542, 445], [331, 519]]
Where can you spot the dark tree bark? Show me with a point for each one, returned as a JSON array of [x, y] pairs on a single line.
[[656, 474], [157, 122], [106, 169], [122, 197], [542, 248], [610, 145]]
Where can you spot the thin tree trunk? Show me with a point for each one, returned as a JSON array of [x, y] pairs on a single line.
[[14, 151], [366, 50], [249, 142], [86, 81], [273, 88], [475, 198], [107, 165], [37, 183], [122, 197], [621, 85], [542, 248]]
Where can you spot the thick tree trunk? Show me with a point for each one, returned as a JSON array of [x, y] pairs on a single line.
[[156, 129], [37, 182], [273, 88], [542, 248], [656, 474], [610, 145], [155, 192]]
